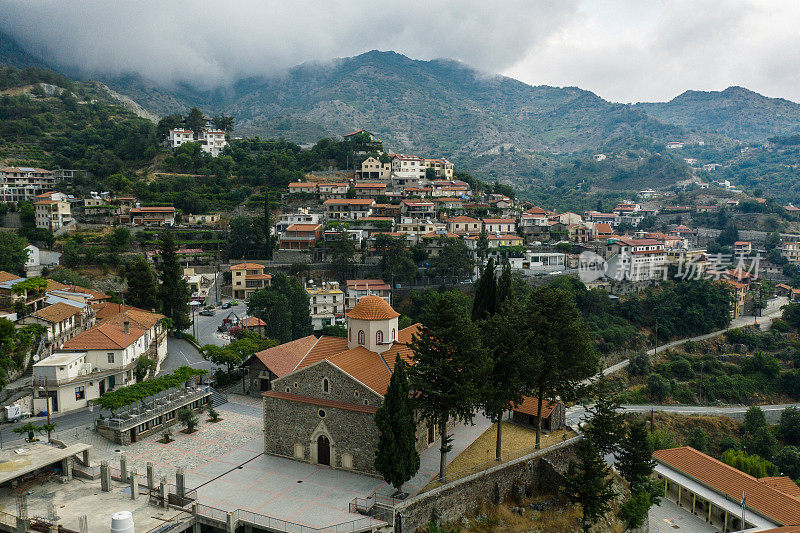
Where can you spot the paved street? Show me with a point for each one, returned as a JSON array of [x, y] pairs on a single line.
[[207, 325], [181, 352]]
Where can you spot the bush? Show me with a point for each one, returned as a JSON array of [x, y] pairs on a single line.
[[730, 443], [699, 440], [789, 426], [639, 364], [188, 418], [749, 464], [754, 419], [788, 461], [657, 386], [662, 439], [681, 368], [763, 442]]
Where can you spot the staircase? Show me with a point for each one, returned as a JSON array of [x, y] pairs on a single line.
[[217, 397]]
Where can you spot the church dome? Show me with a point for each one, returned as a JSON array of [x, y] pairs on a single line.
[[372, 307]]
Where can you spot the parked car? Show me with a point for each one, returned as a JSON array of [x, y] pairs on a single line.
[[226, 305], [234, 302], [207, 312]]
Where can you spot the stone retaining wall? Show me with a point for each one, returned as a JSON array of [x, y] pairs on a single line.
[[540, 470]]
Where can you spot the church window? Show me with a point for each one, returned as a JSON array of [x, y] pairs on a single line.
[[321, 413], [356, 394], [379, 337], [288, 389], [325, 385], [366, 402], [393, 334], [361, 337], [295, 384]]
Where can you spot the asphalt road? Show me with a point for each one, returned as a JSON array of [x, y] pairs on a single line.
[[206, 327], [181, 352]]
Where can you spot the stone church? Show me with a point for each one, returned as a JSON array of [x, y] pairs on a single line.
[[323, 411]]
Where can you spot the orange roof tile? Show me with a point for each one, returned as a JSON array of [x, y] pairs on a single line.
[[324, 348], [247, 266], [251, 322], [7, 276], [365, 366], [53, 285], [136, 317], [725, 479], [783, 484], [530, 406], [103, 337], [57, 312], [372, 307], [284, 358]]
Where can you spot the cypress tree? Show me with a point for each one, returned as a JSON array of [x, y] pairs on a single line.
[[173, 290], [268, 240], [635, 455], [485, 301], [504, 285], [142, 289], [589, 483], [397, 458]]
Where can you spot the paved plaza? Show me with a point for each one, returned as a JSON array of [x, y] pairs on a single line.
[[667, 516]]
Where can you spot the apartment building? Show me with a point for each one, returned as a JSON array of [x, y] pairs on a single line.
[[328, 191], [536, 263], [22, 184], [357, 288], [499, 225], [52, 214], [302, 216], [636, 259], [374, 169], [369, 189], [62, 320], [417, 209], [326, 303], [791, 251], [463, 225], [300, 236], [407, 171], [212, 141], [179, 136], [442, 167], [247, 278], [348, 208]]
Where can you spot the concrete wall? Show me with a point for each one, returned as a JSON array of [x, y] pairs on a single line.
[[542, 469]]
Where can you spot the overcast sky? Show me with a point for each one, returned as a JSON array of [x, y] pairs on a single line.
[[624, 50]]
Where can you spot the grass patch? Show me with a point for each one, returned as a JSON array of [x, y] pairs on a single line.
[[518, 440]]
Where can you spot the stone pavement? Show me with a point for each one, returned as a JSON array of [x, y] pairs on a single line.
[[669, 517]]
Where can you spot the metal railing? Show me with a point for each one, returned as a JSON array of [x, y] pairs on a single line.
[[277, 524], [158, 406]]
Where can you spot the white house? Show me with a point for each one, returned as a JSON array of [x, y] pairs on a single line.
[[326, 304]]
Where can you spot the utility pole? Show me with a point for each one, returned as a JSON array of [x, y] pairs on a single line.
[[702, 365]]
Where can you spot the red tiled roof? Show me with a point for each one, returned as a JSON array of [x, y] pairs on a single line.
[[372, 307], [247, 266], [530, 406], [325, 347], [783, 484], [365, 366], [761, 497], [284, 358], [103, 337], [57, 312], [364, 284], [349, 201], [251, 322]]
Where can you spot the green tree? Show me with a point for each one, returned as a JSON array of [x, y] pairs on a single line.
[[510, 365], [657, 386], [699, 440], [558, 340], [482, 244], [144, 365], [454, 260], [788, 461], [223, 122], [485, 303], [754, 419], [396, 458], [604, 422], [13, 254], [635, 454], [269, 240], [505, 285], [244, 236], [588, 483], [789, 426], [142, 291], [395, 259], [27, 215], [188, 418], [341, 252], [195, 120], [173, 290], [763, 443], [449, 365], [284, 306], [119, 239]]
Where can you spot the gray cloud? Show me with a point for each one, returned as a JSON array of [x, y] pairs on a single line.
[[213, 42], [625, 50]]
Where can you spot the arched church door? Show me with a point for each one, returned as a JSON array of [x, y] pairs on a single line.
[[323, 450]]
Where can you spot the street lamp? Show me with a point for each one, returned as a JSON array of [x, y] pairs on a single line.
[[41, 382]]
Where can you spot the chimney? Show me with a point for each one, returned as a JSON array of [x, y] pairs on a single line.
[[126, 327]]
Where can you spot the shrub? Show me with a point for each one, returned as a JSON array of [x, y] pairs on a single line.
[[749, 464], [662, 439], [635, 509], [789, 426], [699, 440], [681, 368], [788, 461], [188, 418], [763, 442], [730, 443], [639, 364], [754, 419], [657, 386], [213, 414]]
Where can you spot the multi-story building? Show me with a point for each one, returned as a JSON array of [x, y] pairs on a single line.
[[536, 263], [374, 169], [300, 236], [179, 136], [791, 251], [99, 360], [202, 220], [463, 225], [148, 216], [369, 189], [329, 191], [62, 320], [612, 219], [499, 225], [407, 171], [417, 209], [326, 303], [442, 167], [212, 141], [356, 288], [52, 214], [301, 217], [22, 184], [636, 259], [348, 208], [247, 278]]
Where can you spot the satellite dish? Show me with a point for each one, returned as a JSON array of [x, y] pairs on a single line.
[[36, 358]]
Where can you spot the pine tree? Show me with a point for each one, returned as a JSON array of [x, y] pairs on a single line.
[[173, 290], [604, 422], [635, 455], [142, 285], [589, 483], [449, 366], [485, 301], [397, 458]]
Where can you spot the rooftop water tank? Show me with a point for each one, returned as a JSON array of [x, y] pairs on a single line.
[[122, 522]]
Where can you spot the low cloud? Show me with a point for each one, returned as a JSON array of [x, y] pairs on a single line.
[[211, 42]]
